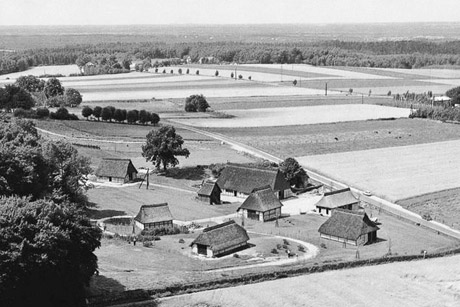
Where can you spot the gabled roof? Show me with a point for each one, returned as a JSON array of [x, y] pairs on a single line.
[[245, 179], [207, 188], [117, 168], [348, 224], [261, 199], [222, 236], [154, 213], [336, 199]]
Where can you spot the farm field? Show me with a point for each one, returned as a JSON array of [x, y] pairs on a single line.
[[299, 116], [431, 282], [321, 139], [442, 206], [42, 70], [430, 167]]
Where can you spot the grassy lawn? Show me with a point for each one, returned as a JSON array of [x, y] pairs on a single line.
[[342, 137]]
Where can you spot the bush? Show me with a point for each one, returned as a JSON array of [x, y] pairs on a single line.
[[236, 256], [147, 243], [427, 217], [21, 113], [196, 103], [63, 114], [301, 248], [197, 72], [285, 242], [323, 245], [279, 246], [274, 251], [163, 231], [43, 112], [181, 241]]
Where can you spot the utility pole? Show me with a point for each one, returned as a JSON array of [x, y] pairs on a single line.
[[325, 90]]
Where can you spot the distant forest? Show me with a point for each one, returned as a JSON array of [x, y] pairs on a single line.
[[384, 54]]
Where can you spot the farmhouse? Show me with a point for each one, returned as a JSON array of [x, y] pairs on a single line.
[[349, 227], [239, 180], [209, 192], [261, 205], [340, 199], [154, 216], [220, 240], [116, 170]]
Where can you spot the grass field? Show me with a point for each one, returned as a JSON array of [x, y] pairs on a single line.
[[342, 137], [431, 282], [394, 173], [299, 116]]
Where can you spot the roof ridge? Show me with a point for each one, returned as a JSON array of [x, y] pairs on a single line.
[[219, 226], [337, 191], [154, 205]]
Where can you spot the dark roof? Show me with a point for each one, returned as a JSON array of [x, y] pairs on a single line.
[[117, 168], [207, 188], [154, 213], [348, 224], [245, 179], [222, 236], [336, 199], [261, 199]]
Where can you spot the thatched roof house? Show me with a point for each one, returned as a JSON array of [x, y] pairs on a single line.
[[116, 170], [221, 239], [209, 192], [239, 180], [350, 227], [154, 216], [343, 199], [261, 205]]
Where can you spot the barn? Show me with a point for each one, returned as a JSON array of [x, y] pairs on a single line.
[[340, 199], [240, 180], [116, 170], [261, 205], [210, 193], [349, 227], [220, 240], [154, 216]]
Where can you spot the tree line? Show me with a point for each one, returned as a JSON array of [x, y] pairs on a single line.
[[116, 56], [110, 113]]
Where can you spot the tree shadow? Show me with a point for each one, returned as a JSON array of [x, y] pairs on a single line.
[[188, 173], [100, 285], [100, 214]]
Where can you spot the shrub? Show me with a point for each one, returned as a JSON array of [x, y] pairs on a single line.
[[427, 217], [240, 77], [274, 251], [196, 103], [301, 248], [182, 241], [197, 72], [285, 246], [279, 246], [285, 242], [21, 113], [63, 114], [43, 112], [323, 245], [236, 256], [147, 243], [163, 231]]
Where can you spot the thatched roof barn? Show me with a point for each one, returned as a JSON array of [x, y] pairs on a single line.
[[261, 205], [343, 199], [239, 180], [220, 240], [209, 192], [116, 170], [350, 227], [154, 216]]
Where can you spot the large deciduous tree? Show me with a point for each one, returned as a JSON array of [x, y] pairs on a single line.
[[15, 97], [196, 103], [454, 94], [162, 146], [294, 173], [86, 112], [30, 83], [72, 97], [97, 112], [46, 256], [53, 88]]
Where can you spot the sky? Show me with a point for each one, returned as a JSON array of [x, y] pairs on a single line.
[[122, 12]]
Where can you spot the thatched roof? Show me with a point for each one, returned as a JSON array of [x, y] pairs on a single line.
[[154, 214], [222, 236], [348, 224], [117, 168], [207, 188], [336, 199], [245, 179], [262, 200]]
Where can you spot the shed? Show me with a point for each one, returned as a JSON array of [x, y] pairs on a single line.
[[116, 170], [154, 216], [349, 227], [340, 199], [261, 205], [220, 240], [240, 180], [209, 192]]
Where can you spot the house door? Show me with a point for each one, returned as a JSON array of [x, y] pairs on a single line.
[[281, 195], [110, 179], [202, 249]]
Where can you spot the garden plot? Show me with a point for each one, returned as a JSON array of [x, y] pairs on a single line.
[[394, 173], [299, 116], [45, 70]]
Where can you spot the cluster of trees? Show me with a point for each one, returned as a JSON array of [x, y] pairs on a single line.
[[29, 91], [42, 113], [102, 64], [44, 232], [196, 103], [116, 57], [437, 113], [110, 113]]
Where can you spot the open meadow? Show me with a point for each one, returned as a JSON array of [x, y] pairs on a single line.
[[394, 173]]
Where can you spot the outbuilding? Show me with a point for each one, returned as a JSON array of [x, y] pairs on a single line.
[[116, 170], [261, 205], [350, 227], [209, 192], [220, 240], [154, 216], [340, 199], [240, 180]]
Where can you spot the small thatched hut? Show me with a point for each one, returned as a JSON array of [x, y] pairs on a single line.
[[154, 216], [210, 193], [220, 240], [340, 199], [261, 205], [116, 170]]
